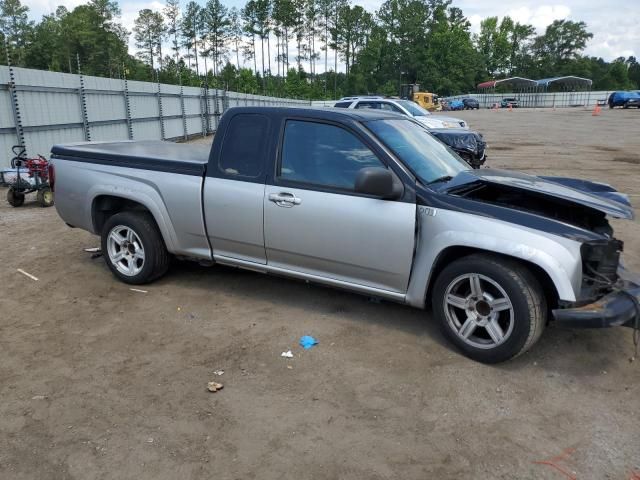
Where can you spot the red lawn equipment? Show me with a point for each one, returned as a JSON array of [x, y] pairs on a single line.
[[27, 175]]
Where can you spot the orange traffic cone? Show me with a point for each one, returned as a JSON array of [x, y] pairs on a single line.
[[596, 111], [510, 108]]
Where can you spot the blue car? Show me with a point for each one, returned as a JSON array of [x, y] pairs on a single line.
[[624, 99], [456, 105]]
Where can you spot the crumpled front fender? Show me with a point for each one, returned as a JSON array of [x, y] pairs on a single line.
[[441, 229]]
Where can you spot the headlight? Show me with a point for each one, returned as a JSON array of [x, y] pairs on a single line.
[[448, 125]]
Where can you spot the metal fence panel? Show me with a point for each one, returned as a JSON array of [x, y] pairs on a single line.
[[64, 108], [540, 99]]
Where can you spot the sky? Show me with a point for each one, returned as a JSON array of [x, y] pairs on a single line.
[[614, 23]]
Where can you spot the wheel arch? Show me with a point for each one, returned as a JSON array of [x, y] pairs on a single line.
[[105, 205], [454, 252]]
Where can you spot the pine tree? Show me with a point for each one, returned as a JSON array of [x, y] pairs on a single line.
[[172, 13]]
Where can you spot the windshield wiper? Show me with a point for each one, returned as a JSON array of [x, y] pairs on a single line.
[[444, 178]]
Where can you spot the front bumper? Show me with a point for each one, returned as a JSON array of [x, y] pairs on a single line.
[[613, 310]]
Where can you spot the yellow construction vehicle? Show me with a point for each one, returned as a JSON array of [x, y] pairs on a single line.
[[426, 100]]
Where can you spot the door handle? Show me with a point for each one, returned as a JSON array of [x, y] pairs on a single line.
[[284, 199]]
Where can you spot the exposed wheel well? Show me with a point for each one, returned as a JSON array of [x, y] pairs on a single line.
[[453, 253], [104, 206]]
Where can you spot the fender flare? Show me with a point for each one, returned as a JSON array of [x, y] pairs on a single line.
[[145, 196]]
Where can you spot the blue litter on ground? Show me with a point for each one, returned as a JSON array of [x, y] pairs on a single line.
[[307, 341]]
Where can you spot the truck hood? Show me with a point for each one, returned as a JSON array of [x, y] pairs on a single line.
[[437, 121], [594, 195]]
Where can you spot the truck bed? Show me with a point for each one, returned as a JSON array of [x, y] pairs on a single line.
[[155, 155]]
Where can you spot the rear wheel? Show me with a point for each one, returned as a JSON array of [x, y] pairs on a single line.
[[133, 247], [491, 308], [14, 198], [45, 197]]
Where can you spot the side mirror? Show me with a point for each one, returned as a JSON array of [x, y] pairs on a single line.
[[376, 181]]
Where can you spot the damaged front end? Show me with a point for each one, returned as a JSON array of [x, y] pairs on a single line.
[[469, 145], [609, 295]]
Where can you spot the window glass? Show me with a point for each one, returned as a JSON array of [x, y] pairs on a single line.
[[371, 105], [413, 108], [323, 154], [426, 156], [244, 145], [342, 104], [389, 107]]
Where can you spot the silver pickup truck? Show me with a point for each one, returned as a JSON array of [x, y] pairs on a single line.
[[365, 201]]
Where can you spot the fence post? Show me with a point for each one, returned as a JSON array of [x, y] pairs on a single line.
[[13, 93], [215, 108], [83, 103], [184, 113], [207, 114], [202, 111], [225, 100], [127, 106], [162, 132]]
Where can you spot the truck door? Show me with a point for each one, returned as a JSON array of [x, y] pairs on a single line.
[[315, 222], [234, 189]]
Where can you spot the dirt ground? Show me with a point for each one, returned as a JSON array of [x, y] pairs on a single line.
[[98, 381]]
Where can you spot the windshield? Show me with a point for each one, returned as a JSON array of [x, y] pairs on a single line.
[[425, 156], [413, 108]]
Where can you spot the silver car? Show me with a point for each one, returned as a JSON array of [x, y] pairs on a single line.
[[403, 107]]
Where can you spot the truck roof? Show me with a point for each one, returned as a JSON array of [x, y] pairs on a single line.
[[325, 113]]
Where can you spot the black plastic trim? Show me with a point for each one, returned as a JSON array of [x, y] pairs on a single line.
[[170, 166], [613, 310]]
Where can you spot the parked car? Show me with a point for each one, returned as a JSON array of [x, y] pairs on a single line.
[[624, 99], [466, 143], [454, 105], [505, 102], [471, 104], [403, 107], [362, 200]]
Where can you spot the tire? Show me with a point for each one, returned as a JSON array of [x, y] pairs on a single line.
[[492, 336], [626, 105], [136, 252], [14, 198], [45, 197]]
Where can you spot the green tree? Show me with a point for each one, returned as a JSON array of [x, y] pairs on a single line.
[[216, 19], [634, 71], [191, 26], [149, 30], [561, 43], [235, 32], [249, 27], [15, 28], [172, 14], [353, 28]]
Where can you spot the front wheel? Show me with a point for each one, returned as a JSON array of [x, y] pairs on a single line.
[[133, 247], [492, 308], [45, 197]]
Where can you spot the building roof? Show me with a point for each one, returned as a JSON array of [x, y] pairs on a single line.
[[565, 81], [515, 81]]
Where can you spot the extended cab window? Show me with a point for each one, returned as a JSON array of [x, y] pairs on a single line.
[[244, 145], [324, 155]]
